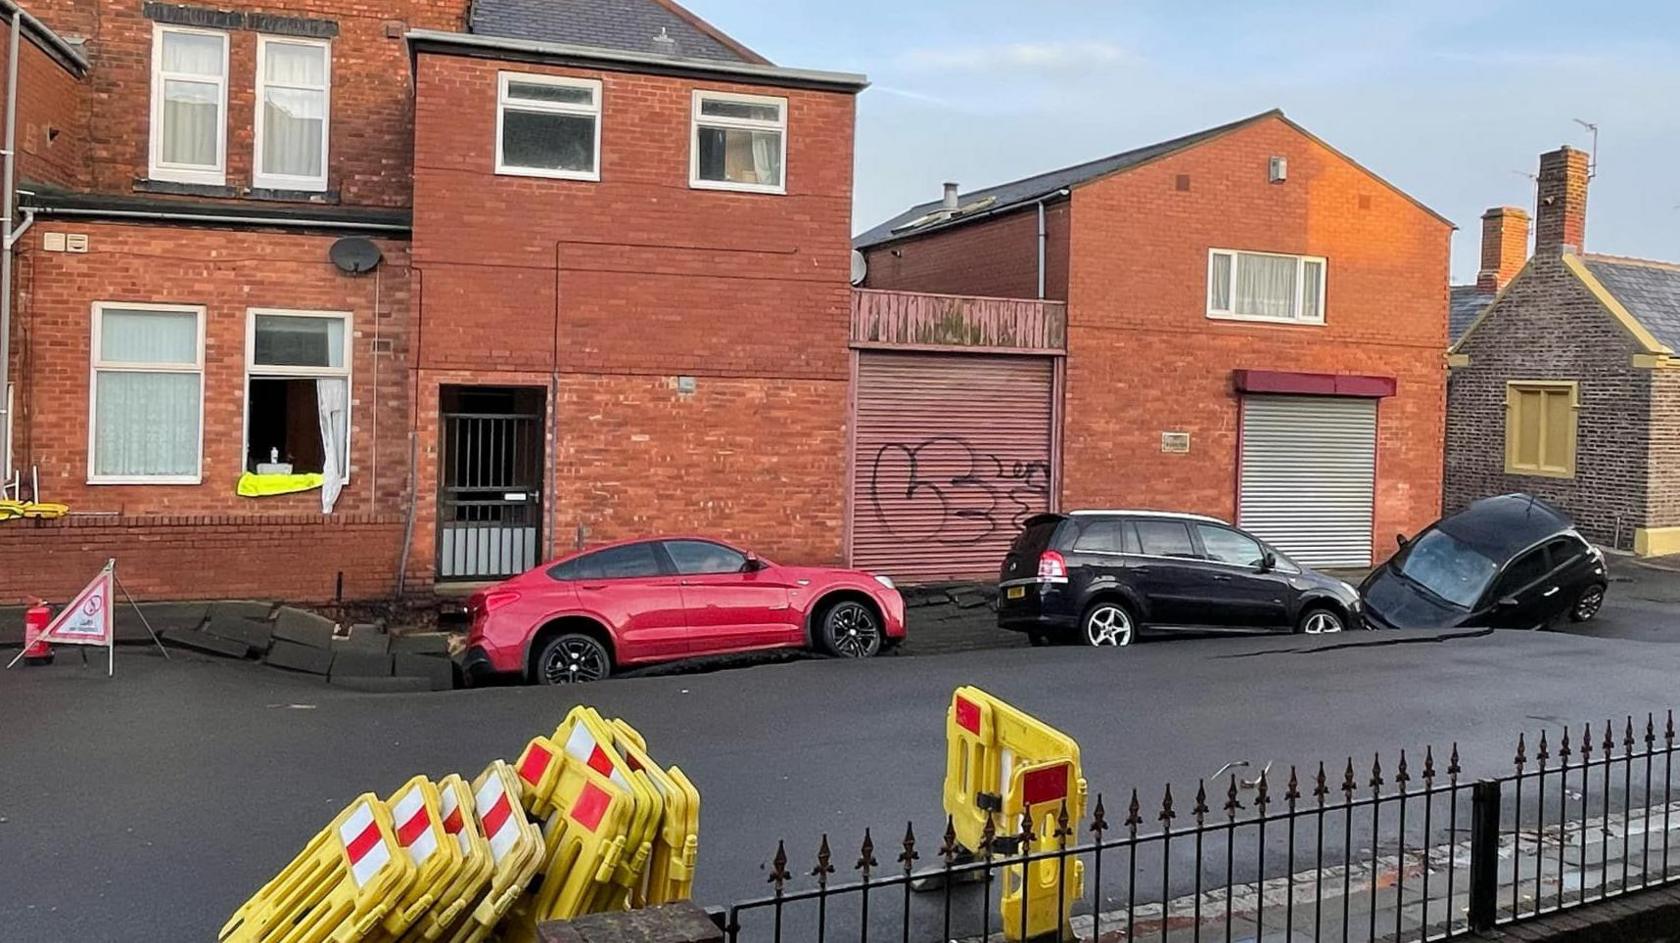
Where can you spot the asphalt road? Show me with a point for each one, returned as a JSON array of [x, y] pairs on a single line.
[[149, 805]]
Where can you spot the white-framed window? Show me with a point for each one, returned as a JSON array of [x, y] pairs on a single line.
[[189, 105], [548, 126], [294, 109], [297, 392], [1265, 286], [146, 399], [738, 142]]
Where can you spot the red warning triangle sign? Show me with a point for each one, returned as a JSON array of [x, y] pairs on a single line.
[[87, 619]]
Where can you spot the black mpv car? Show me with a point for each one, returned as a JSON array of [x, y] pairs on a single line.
[[1510, 562], [1102, 577]]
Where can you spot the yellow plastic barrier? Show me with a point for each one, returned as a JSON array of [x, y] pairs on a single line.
[[515, 849], [999, 763], [1039, 790], [539, 770], [460, 825], [416, 815], [588, 740], [676, 842], [584, 841], [339, 888]]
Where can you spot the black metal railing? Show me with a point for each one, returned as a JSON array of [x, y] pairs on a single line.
[[1402, 855]]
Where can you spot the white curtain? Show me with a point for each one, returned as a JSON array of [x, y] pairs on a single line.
[[294, 108], [145, 423], [1265, 286], [192, 111], [332, 400], [767, 157]]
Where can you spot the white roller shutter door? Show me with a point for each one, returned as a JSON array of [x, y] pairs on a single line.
[[1309, 476]]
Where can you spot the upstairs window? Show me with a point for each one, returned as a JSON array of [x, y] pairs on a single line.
[[548, 126], [1259, 286], [189, 105], [293, 79], [740, 143]]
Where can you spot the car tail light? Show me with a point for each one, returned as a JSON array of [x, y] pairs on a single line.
[[1051, 566], [496, 599]]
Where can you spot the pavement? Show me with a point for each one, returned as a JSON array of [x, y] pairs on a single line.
[[150, 805]]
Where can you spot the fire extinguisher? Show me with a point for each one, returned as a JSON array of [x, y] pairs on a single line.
[[36, 650]]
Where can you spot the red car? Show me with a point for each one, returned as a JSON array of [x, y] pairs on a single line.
[[583, 616]]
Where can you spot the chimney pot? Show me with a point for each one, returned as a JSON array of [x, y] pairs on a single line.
[[1560, 214], [1504, 246], [951, 202]]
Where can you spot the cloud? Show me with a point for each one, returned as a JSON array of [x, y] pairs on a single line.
[[1067, 56]]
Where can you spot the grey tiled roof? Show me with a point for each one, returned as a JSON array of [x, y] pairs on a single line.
[[1650, 291], [1468, 301], [1032, 189], [628, 25]]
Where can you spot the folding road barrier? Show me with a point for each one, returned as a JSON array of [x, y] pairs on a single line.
[[461, 828], [1002, 764], [670, 867], [339, 888], [539, 770], [515, 849], [437, 858]]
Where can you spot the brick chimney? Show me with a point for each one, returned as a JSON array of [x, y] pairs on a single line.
[[1560, 214], [1504, 246]]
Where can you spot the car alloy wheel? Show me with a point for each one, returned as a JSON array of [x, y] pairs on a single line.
[[1321, 622], [1592, 600], [852, 630], [1108, 624], [573, 659]]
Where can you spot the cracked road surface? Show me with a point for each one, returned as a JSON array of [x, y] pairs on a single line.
[[148, 806]]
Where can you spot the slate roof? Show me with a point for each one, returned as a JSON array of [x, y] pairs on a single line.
[[1650, 291], [626, 25], [1468, 302], [980, 204]]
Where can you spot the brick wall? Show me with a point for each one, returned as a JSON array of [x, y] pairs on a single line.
[[293, 557], [997, 258], [52, 122], [1143, 357], [1548, 326], [620, 286], [227, 272], [371, 116]]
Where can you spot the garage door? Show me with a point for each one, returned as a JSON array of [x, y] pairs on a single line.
[[952, 455], [1308, 474]]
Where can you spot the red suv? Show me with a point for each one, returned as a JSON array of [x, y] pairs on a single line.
[[638, 602]]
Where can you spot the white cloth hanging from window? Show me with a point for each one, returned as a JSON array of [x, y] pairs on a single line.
[[332, 401]]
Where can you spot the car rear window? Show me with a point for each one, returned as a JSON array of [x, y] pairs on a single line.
[[1164, 538], [1037, 535]]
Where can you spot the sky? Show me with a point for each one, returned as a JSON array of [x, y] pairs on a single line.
[[1453, 101]]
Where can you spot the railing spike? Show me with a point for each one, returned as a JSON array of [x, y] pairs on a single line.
[[1099, 819], [1650, 731], [1401, 776], [1428, 766], [1201, 807], [1133, 820], [948, 850], [1586, 742], [1522, 753], [1609, 741], [1349, 784], [988, 835], [1541, 754], [1627, 738], [1261, 797], [1231, 803], [1376, 774], [1027, 836], [778, 868], [1064, 825], [1321, 787], [824, 868], [866, 855], [1563, 747], [1293, 793], [1167, 814], [1452, 765], [908, 855], [1668, 729]]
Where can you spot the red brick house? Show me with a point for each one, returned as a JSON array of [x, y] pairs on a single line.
[[315, 299], [1254, 328]]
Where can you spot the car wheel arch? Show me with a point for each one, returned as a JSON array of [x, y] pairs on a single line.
[[820, 606], [1322, 601], [1116, 592], [562, 624]]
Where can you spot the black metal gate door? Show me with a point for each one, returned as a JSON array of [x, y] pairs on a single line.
[[489, 498]]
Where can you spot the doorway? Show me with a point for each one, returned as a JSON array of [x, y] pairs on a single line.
[[490, 473]]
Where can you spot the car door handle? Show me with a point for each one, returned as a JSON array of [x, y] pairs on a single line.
[[594, 586], [1550, 592], [1218, 578]]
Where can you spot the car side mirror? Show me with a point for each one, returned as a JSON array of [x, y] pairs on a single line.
[[1268, 563], [1401, 541], [753, 564]]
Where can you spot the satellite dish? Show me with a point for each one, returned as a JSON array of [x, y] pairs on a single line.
[[354, 255], [860, 268]]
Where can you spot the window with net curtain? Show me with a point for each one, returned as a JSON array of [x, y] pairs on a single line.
[[293, 132], [1265, 287], [147, 388], [190, 75], [739, 141]]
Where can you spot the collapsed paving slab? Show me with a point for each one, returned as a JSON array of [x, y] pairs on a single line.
[[439, 672], [364, 637], [241, 621], [162, 616], [346, 664], [295, 657], [420, 643], [302, 627], [200, 641]]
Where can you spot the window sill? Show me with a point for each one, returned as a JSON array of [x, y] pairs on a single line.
[[1258, 319], [145, 480], [224, 192], [178, 188], [737, 187], [577, 175], [1530, 472]]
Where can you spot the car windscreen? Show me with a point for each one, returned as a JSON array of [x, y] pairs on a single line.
[[1448, 568]]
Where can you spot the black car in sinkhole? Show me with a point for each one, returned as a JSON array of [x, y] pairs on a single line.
[[1512, 562]]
